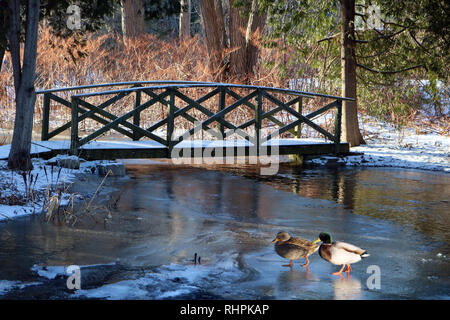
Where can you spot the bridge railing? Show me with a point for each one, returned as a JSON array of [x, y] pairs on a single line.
[[167, 92]]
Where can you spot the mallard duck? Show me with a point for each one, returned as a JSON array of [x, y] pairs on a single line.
[[338, 252], [293, 248]]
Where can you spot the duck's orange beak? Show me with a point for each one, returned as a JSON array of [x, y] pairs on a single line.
[[275, 240], [315, 241]]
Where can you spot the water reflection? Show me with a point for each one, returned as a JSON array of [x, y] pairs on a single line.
[[165, 214], [295, 282], [418, 199], [347, 288]]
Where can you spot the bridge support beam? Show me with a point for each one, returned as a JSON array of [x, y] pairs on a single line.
[[74, 127], [137, 115]]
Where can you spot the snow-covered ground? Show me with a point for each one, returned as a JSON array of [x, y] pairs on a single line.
[[25, 194], [388, 147], [6, 285]]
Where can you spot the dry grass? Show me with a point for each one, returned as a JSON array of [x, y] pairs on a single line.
[[75, 212], [104, 59]]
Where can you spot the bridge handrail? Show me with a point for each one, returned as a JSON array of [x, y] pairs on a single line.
[[182, 84], [113, 84]]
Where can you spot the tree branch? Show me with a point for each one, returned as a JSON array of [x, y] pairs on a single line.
[[388, 71], [329, 38], [387, 36], [417, 41], [372, 82], [376, 54], [381, 36]]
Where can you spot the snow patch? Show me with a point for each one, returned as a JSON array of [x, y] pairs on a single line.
[[388, 147], [49, 272], [171, 281], [44, 174], [6, 285]]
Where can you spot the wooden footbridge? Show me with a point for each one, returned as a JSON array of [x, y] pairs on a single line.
[[166, 119]]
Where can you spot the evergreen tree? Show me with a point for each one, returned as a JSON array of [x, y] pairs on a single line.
[[377, 40]]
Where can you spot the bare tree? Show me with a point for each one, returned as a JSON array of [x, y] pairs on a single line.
[[220, 16], [255, 28], [238, 55], [185, 19], [242, 31], [243, 37], [3, 27], [214, 41], [2, 55], [24, 76], [132, 18]]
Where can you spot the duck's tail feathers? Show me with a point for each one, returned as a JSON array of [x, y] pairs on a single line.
[[364, 254]]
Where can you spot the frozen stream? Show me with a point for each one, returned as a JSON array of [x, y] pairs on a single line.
[[228, 216]]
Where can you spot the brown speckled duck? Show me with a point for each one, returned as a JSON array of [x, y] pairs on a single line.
[[293, 248]]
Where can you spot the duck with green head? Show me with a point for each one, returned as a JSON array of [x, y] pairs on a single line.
[[339, 253], [293, 248]]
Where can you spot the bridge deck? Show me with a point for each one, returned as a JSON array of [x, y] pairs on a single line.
[[123, 149]]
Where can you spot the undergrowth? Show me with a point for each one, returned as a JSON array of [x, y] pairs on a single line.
[[106, 58], [54, 203]]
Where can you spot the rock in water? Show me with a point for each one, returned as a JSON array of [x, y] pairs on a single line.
[[117, 169]]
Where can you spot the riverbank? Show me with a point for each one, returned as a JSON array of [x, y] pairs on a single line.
[[26, 194], [386, 147], [389, 147], [30, 193]]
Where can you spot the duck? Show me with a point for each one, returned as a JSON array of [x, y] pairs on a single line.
[[339, 253], [293, 248]]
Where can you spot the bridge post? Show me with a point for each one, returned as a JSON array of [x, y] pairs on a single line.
[[221, 107], [258, 119], [299, 109], [137, 115], [45, 117], [74, 127], [338, 124], [170, 120]]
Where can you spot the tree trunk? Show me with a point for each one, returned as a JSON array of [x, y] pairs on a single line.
[[243, 33], [19, 156], [350, 126], [255, 27], [4, 23], [132, 18], [212, 35], [2, 55], [185, 19], [238, 46], [221, 23]]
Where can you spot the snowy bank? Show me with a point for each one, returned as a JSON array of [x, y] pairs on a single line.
[[25, 193], [388, 147]]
